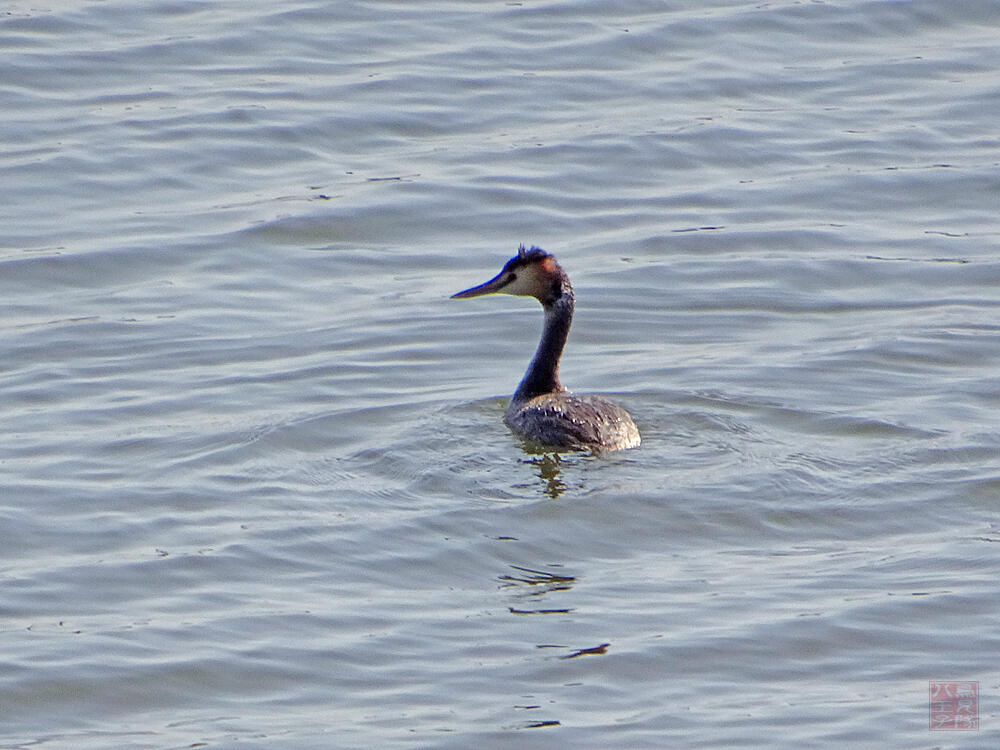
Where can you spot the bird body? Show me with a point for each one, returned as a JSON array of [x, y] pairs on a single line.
[[541, 409]]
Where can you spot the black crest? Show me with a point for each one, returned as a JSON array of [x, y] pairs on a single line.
[[525, 257]]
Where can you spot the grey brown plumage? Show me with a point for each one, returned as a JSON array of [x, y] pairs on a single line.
[[541, 409]]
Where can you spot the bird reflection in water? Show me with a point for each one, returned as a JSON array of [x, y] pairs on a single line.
[[548, 471]]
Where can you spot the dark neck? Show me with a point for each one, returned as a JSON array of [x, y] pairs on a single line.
[[543, 372]]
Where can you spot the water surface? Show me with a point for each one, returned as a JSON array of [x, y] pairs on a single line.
[[256, 487]]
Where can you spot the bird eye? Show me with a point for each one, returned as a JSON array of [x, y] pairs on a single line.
[[513, 277]]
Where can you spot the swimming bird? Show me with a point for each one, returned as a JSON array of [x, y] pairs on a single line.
[[541, 409]]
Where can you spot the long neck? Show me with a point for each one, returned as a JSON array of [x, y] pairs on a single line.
[[543, 372]]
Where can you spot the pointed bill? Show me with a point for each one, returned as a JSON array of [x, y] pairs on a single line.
[[495, 284]]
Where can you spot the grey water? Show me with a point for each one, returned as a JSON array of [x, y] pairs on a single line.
[[255, 488]]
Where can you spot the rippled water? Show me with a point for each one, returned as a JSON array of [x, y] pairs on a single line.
[[256, 487]]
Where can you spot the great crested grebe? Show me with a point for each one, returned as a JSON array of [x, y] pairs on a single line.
[[541, 408]]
